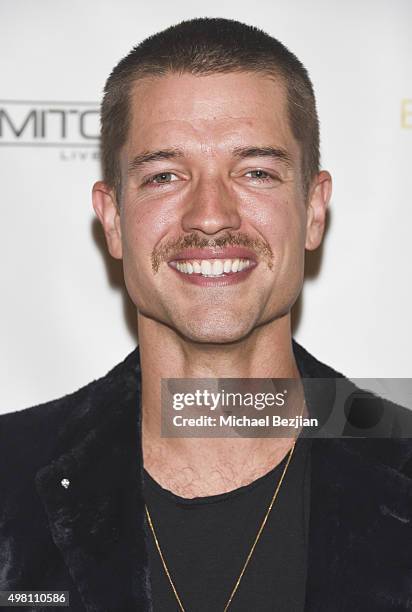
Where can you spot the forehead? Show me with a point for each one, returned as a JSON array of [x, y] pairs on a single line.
[[209, 113]]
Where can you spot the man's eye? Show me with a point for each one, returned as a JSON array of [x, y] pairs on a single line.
[[159, 179], [260, 175]]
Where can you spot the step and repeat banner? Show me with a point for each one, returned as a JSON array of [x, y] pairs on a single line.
[[65, 317]]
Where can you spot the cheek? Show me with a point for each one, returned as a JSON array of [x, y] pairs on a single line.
[[281, 221], [143, 226], [283, 226]]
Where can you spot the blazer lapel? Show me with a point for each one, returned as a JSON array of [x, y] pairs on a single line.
[[97, 519]]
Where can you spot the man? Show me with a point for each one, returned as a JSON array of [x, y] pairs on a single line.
[[212, 192]]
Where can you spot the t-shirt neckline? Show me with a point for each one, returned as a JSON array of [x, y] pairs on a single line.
[[220, 497]]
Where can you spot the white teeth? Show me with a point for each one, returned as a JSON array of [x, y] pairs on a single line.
[[217, 267], [235, 265], [213, 267], [206, 267]]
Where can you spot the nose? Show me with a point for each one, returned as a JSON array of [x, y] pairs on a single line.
[[211, 208]]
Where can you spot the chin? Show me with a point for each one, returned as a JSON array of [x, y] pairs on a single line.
[[216, 332]]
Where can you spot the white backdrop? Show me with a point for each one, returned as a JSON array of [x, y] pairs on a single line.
[[64, 318]]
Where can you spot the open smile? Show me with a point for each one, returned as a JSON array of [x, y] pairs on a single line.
[[213, 268]]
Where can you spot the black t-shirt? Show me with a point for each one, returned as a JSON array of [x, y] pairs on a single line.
[[205, 542]]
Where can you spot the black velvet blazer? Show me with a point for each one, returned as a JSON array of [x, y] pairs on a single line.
[[89, 538]]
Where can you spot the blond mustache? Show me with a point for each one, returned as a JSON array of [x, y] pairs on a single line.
[[193, 240]]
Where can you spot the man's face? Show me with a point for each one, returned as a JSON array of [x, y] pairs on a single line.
[[223, 193]]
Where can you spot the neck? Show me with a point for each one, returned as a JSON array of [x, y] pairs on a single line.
[[195, 467]]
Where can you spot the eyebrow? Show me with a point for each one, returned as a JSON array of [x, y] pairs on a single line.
[[272, 152], [146, 157], [149, 156]]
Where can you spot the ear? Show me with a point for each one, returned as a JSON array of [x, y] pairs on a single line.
[[319, 196], [105, 207]]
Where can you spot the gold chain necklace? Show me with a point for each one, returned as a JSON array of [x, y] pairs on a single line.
[[149, 518]]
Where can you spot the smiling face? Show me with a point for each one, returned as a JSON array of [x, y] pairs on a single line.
[[213, 221]]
